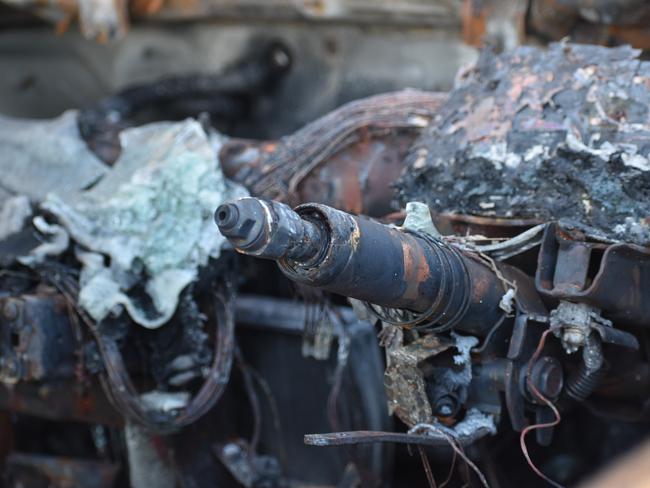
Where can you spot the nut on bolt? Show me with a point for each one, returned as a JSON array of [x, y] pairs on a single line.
[[547, 376], [226, 216], [268, 229], [446, 406], [241, 221]]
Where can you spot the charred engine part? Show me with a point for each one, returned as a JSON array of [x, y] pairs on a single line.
[[26, 357], [160, 412], [438, 286], [592, 279], [355, 179], [419, 282], [112, 291], [268, 230], [226, 96], [430, 376], [62, 396], [600, 275], [347, 159], [37, 341], [24, 469]]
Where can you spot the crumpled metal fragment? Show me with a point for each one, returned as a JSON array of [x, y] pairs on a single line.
[[404, 381], [418, 219], [56, 241], [146, 227]]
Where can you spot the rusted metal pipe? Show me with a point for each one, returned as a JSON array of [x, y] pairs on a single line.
[[363, 259], [269, 230], [348, 159], [356, 179]]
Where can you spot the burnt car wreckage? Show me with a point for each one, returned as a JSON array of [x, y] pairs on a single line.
[[418, 288]]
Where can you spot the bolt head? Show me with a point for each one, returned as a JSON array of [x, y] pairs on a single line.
[[548, 377], [226, 216]]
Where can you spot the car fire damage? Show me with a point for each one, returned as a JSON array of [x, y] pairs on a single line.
[[339, 244]]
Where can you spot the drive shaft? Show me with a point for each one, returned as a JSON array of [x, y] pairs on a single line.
[[356, 257]]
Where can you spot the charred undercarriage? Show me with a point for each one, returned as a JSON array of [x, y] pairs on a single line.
[[465, 273]]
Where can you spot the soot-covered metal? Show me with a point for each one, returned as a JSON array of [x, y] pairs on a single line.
[[258, 277], [548, 134]]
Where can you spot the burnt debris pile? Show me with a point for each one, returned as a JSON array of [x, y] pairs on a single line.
[[557, 133]]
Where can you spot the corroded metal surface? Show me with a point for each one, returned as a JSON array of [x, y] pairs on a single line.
[[357, 178], [37, 339], [596, 21], [24, 469], [108, 20], [62, 401], [349, 158], [610, 277]]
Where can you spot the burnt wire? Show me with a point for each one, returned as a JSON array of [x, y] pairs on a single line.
[[455, 445], [431, 320], [333, 414], [80, 367], [451, 471], [275, 411], [530, 384], [316, 310], [342, 356], [505, 249], [333, 397], [117, 384], [490, 334], [427, 468], [253, 399], [301, 153]]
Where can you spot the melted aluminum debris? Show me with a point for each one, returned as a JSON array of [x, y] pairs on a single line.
[[14, 212], [151, 215], [474, 421], [42, 156], [474, 425]]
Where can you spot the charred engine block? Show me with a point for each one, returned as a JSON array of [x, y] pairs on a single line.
[[467, 336]]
